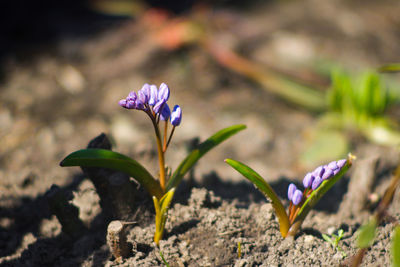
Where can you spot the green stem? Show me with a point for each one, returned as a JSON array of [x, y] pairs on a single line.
[[170, 137], [165, 136], [159, 232]]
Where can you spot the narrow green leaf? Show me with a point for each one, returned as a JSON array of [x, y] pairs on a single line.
[[390, 68], [266, 189], [396, 247], [327, 239], [366, 234], [165, 201], [104, 158], [202, 149], [163, 259]]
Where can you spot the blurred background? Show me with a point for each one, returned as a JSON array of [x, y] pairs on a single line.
[[302, 74], [309, 78], [305, 76]]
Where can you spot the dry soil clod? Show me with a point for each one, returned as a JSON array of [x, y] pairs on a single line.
[[360, 186]]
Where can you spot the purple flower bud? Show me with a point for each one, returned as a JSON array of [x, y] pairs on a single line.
[[297, 197], [163, 93], [333, 165], [159, 106], [341, 163], [317, 181], [327, 174], [139, 104], [319, 171], [130, 104], [308, 180], [122, 103], [132, 96], [165, 113], [336, 171], [176, 116], [292, 188], [144, 93], [153, 95]]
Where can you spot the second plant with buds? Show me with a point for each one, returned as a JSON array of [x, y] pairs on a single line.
[[316, 184]]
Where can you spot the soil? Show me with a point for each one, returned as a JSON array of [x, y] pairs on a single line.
[[57, 100]]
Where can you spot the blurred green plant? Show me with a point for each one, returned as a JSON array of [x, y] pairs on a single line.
[[361, 103], [394, 67], [334, 241]]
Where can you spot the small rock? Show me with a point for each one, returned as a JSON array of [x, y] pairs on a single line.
[[308, 239], [71, 79], [331, 230]]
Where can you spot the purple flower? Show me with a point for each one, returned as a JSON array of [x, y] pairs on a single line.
[[308, 180], [158, 107], [144, 94], [327, 174], [165, 113], [341, 163], [130, 104], [122, 103], [163, 93], [132, 96], [176, 116], [297, 197], [317, 181], [139, 104], [333, 165], [319, 171], [153, 95], [336, 171], [292, 188]]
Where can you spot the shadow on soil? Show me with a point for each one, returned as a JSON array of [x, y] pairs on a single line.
[[246, 193], [27, 218]]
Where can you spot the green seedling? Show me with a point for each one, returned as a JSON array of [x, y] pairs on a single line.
[[334, 241], [316, 184], [163, 259], [153, 102]]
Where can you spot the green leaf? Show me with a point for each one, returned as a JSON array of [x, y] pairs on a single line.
[[396, 247], [366, 234], [163, 259], [202, 149], [161, 207], [104, 158], [328, 239], [266, 189], [165, 201]]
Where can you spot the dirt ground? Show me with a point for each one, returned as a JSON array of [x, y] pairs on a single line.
[[65, 93]]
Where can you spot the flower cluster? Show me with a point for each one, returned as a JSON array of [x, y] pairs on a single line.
[[154, 102], [313, 179]]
